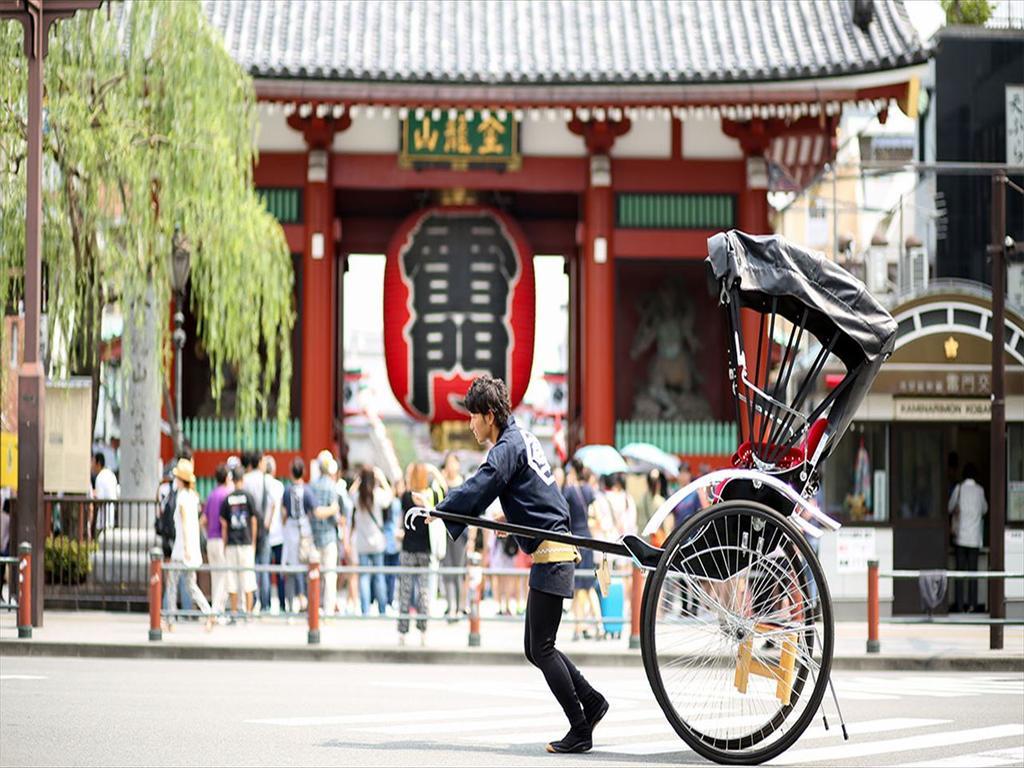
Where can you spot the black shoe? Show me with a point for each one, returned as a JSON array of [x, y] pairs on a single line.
[[595, 713], [574, 741]]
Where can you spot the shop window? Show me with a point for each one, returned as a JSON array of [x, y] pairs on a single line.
[[1015, 474], [856, 475]]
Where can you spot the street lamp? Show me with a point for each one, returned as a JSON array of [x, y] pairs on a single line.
[[180, 258]]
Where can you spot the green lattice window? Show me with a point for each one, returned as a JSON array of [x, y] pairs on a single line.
[[674, 211], [284, 202]]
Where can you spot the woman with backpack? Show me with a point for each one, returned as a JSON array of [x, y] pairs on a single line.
[[186, 550], [372, 497]]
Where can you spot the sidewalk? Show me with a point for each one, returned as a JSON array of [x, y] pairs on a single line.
[[84, 633]]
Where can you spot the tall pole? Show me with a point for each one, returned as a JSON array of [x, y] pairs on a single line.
[[997, 491], [179, 344], [31, 382], [35, 19]]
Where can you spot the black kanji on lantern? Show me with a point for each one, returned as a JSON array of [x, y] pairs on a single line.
[[460, 269]]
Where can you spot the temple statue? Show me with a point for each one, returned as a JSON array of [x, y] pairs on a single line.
[[672, 389]]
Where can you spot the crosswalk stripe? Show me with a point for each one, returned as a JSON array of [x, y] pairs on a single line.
[[865, 749], [989, 759], [864, 727]]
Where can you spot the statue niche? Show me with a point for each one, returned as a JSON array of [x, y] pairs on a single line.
[[672, 390]]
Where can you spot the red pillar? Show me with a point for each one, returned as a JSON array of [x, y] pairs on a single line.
[[319, 368], [597, 382], [755, 136]]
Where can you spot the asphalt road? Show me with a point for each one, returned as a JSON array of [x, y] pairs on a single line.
[[60, 711]]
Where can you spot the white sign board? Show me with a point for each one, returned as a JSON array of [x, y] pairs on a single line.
[[68, 428], [1015, 124], [942, 409], [854, 547]]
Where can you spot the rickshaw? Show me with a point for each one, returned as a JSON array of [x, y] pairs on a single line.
[[737, 627]]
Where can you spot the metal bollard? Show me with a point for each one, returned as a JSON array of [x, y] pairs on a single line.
[[476, 586], [313, 597], [874, 646], [156, 592], [636, 597], [24, 591]]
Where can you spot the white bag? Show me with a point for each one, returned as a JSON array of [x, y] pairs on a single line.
[[438, 534]]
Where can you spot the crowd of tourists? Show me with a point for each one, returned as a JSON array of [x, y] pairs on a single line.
[[254, 517]]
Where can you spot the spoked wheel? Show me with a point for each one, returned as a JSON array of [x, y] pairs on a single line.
[[737, 633]]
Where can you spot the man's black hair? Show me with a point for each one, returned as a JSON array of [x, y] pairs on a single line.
[[251, 459], [99, 458], [489, 395], [221, 473], [298, 468], [970, 471], [237, 473]]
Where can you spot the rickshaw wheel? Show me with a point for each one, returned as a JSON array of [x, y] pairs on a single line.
[[743, 575]]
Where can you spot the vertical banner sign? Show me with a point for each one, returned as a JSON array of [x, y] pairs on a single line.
[[1015, 125], [458, 302]]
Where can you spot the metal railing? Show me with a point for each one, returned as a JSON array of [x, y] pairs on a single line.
[[874, 618], [474, 576], [20, 584], [97, 552]]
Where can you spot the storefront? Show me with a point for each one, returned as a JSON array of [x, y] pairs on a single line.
[[925, 420]]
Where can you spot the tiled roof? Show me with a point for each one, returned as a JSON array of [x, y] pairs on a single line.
[[564, 41]]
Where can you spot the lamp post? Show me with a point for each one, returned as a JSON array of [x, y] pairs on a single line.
[[180, 265]]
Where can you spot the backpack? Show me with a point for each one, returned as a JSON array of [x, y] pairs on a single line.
[[509, 546], [164, 523]]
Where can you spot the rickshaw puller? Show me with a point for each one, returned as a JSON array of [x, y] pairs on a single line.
[[517, 472]]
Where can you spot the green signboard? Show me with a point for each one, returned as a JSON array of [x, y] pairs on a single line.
[[486, 138]]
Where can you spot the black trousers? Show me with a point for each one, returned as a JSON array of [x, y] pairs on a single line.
[[966, 560], [571, 689]]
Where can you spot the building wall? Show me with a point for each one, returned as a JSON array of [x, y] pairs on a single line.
[[972, 69]]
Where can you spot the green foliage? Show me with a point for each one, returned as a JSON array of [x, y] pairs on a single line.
[[149, 125], [67, 561], [967, 11]]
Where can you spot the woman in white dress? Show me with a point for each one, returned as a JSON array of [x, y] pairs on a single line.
[[186, 549]]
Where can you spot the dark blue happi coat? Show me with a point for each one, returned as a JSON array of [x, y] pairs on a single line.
[[517, 473]]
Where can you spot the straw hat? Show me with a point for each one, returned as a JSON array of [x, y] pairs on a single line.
[[184, 471]]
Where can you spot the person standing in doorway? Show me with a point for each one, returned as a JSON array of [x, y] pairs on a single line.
[[968, 508]]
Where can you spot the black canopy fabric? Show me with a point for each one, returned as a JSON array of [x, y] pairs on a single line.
[[839, 309], [769, 265]]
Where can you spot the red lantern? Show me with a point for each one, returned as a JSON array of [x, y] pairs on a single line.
[[459, 301]]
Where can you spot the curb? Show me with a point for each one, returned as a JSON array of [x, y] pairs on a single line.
[[470, 656]]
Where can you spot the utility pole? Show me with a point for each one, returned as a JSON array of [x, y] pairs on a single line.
[[997, 491], [35, 16]]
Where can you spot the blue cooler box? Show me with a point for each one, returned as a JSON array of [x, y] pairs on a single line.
[[612, 607]]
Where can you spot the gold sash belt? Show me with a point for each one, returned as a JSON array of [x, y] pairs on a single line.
[[556, 552]]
